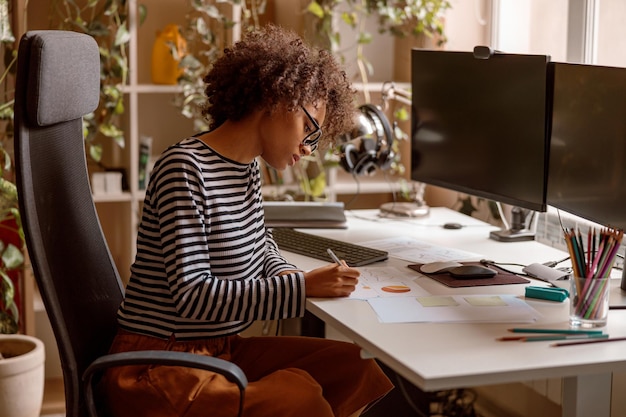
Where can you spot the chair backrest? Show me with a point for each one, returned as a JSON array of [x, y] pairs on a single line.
[[58, 81]]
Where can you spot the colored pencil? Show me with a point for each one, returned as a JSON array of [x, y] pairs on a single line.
[[554, 331], [584, 342], [552, 337]]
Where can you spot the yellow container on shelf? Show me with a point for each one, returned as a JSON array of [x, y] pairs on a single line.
[[168, 50]]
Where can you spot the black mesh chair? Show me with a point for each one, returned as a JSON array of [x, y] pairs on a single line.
[[58, 82]]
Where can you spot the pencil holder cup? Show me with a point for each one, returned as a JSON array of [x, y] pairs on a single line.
[[589, 302]]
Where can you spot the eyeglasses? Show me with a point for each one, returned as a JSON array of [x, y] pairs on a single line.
[[312, 138]]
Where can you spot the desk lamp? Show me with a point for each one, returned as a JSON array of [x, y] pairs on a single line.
[[370, 146]]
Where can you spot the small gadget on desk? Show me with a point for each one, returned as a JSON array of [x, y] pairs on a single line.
[[545, 273]]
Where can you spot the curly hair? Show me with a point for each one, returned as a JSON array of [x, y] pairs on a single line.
[[273, 66]]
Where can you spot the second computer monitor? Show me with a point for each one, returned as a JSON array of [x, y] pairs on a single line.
[[587, 175], [479, 124]]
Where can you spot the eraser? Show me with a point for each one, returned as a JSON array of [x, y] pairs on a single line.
[[547, 293]]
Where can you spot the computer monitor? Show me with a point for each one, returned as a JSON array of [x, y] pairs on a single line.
[[587, 175], [480, 126]]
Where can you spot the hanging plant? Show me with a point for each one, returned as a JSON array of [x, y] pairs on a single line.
[[107, 22], [400, 18], [207, 32]]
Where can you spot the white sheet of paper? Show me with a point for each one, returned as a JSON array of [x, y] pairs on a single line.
[[414, 250], [387, 281], [454, 309]]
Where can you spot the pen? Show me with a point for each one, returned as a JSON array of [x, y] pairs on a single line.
[[554, 337], [580, 342], [334, 257], [555, 331]]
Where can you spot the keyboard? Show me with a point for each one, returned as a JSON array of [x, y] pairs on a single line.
[[316, 247]]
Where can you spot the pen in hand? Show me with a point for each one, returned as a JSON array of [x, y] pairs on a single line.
[[334, 257]]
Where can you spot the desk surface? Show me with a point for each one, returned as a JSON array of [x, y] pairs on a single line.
[[437, 356]]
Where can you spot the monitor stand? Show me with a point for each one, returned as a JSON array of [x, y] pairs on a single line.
[[519, 230]]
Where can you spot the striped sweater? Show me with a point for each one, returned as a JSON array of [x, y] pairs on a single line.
[[205, 264]]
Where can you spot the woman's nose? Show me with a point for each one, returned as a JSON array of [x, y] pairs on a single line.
[[305, 150]]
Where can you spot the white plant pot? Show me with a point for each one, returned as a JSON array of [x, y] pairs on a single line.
[[21, 376]]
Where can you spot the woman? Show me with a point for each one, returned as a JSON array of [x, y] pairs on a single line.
[[206, 266]]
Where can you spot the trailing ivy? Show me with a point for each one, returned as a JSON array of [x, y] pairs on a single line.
[[107, 22]]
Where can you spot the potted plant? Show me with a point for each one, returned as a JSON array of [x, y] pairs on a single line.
[[21, 375], [21, 356]]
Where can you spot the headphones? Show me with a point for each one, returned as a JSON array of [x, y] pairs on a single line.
[[370, 145]]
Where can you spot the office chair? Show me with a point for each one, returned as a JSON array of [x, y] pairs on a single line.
[[58, 82]]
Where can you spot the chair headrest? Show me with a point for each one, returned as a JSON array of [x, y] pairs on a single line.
[[64, 76]]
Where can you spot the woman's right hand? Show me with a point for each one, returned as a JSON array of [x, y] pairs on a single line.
[[331, 281]]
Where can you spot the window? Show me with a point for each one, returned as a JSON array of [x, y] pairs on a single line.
[[584, 31], [531, 27], [610, 45]]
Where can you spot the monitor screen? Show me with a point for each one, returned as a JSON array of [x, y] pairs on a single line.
[[587, 175], [479, 126]]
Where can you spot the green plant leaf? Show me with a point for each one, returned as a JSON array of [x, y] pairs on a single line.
[[95, 152], [110, 130], [315, 9], [191, 62], [208, 9], [8, 289], [401, 114], [365, 38], [119, 107], [201, 27], [122, 35], [143, 13], [349, 18], [7, 324], [12, 257], [112, 92], [120, 140], [8, 192], [7, 161]]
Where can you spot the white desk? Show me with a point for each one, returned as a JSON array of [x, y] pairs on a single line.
[[436, 356]]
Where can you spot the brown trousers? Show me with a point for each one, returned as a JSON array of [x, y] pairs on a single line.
[[287, 377]]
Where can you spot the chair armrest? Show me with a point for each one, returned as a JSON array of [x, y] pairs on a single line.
[[163, 357]]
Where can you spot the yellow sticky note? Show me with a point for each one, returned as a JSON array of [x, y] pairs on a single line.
[[434, 301], [486, 301]]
